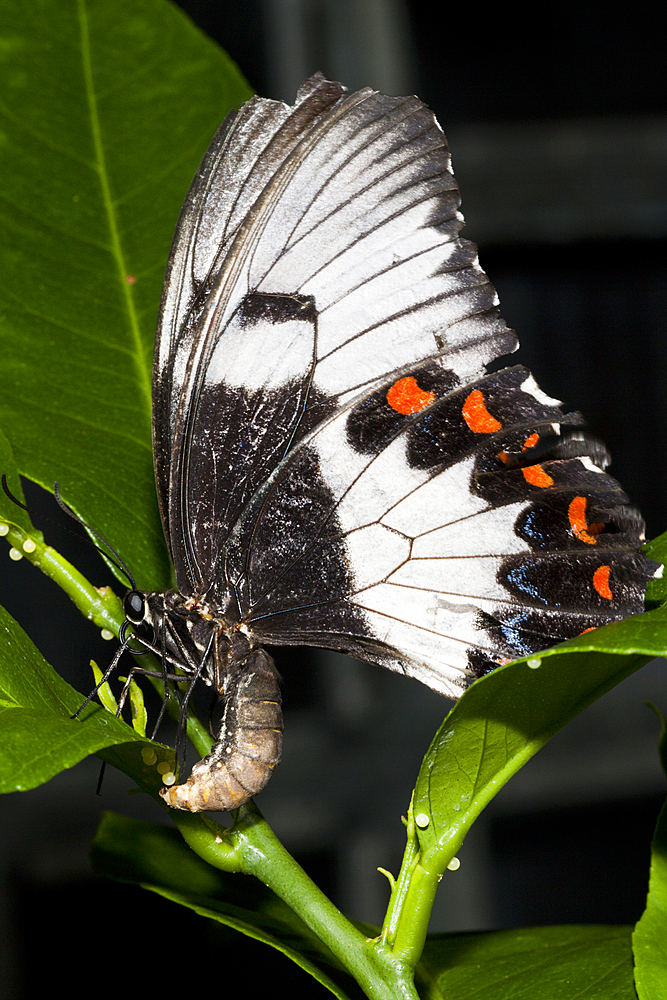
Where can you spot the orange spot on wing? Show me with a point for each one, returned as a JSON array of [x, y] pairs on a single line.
[[601, 582], [530, 442], [406, 397], [477, 416], [577, 515], [591, 629], [536, 476]]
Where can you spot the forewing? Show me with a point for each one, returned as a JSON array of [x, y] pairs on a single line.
[[316, 259], [238, 164]]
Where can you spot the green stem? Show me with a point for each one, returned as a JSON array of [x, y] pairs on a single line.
[[409, 911], [401, 885], [251, 846], [99, 604], [212, 842], [414, 916]]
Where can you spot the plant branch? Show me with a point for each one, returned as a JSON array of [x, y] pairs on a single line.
[[250, 846], [98, 604]]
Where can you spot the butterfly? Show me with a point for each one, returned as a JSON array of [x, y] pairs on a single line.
[[335, 466]]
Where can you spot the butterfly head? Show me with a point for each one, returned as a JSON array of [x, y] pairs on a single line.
[[134, 606]]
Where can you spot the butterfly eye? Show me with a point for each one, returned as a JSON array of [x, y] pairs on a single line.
[[134, 606]]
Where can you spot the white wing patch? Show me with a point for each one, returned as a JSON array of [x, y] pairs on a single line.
[[446, 495], [375, 488], [433, 634], [487, 532], [472, 578], [375, 552], [244, 357]]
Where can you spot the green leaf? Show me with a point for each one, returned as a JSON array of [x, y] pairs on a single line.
[[504, 719], [9, 512], [37, 734], [540, 963], [657, 587], [139, 713], [649, 940], [104, 693], [105, 112], [155, 857]]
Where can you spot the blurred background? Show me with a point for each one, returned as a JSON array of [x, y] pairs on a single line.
[[559, 144]]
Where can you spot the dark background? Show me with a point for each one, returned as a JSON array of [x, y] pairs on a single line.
[[559, 142]]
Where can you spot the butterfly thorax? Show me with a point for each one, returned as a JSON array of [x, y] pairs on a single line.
[[189, 634]]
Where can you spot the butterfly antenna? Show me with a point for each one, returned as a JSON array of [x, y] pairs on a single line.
[[117, 562]]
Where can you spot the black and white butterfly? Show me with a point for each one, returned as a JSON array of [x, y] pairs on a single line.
[[334, 465]]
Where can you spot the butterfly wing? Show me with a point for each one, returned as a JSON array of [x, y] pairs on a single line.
[[333, 464]]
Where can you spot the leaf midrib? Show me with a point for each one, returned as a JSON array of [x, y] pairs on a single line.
[[143, 370]]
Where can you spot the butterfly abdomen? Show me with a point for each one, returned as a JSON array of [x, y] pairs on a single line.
[[248, 747]]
